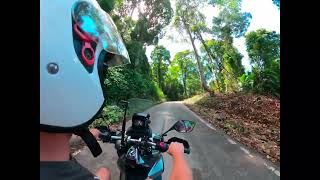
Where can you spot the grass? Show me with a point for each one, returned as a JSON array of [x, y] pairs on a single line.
[[194, 99]]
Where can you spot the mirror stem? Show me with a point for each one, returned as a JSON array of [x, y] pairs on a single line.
[[165, 133], [124, 122]]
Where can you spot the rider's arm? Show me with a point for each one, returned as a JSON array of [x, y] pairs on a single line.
[[180, 170]]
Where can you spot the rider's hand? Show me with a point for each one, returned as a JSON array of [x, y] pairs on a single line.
[[175, 149], [95, 132], [101, 133]]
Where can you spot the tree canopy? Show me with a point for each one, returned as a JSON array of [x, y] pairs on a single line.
[[214, 66]]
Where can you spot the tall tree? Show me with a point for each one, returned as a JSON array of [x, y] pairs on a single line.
[[263, 47], [153, 16], [156, 15], [173, 88], [197, 29], [161, 60], [231, 22], [138, 74], [183, 60], [182, 78], [264, 52], [213, 54], [187, 15], [226, 66]]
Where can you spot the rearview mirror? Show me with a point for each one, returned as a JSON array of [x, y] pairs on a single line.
[[184, 126]]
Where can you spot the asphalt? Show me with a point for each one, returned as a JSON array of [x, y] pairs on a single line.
[[213, 155]]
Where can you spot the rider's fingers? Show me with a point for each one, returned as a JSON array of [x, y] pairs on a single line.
[[103, 174]]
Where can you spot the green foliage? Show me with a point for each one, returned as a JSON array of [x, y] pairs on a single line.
[[226, 66], [134, 80], [182, 79], [149, 27], [187, 19], [118, 84], [247, 81], [107, 5], [233, 58], [230, 22], [264, 52], [187, 12], [173, 89], [193, 83], [263, 47], [124, 83], [263, 82], [139, 60], [187, 74], [111, 113], [160, 61], [158, 93]]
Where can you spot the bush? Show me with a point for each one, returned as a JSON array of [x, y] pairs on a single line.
[[111, 113], [157, 92], [173, 90], [123, 83], [263, 81]]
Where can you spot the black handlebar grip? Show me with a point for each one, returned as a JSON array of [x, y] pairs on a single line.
[[184, 142], [105, 137], [187, 150], [105, 134]]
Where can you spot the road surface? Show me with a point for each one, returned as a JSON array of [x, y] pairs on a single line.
[[213, 155]]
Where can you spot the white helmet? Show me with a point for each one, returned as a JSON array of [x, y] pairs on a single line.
[[77, 41]]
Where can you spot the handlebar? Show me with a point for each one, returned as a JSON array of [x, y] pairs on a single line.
[[161, 146]]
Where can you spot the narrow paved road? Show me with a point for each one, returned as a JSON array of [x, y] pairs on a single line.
[[213, 155]]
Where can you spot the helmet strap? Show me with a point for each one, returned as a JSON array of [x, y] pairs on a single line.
[[90, 141]]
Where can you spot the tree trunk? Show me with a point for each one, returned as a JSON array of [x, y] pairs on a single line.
[[132, 10], [159, 73], [202, 79], [184, 77], [221, 66], [211, 58], [185, 84]]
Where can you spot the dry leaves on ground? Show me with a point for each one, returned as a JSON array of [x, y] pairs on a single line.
[[251, 119]]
